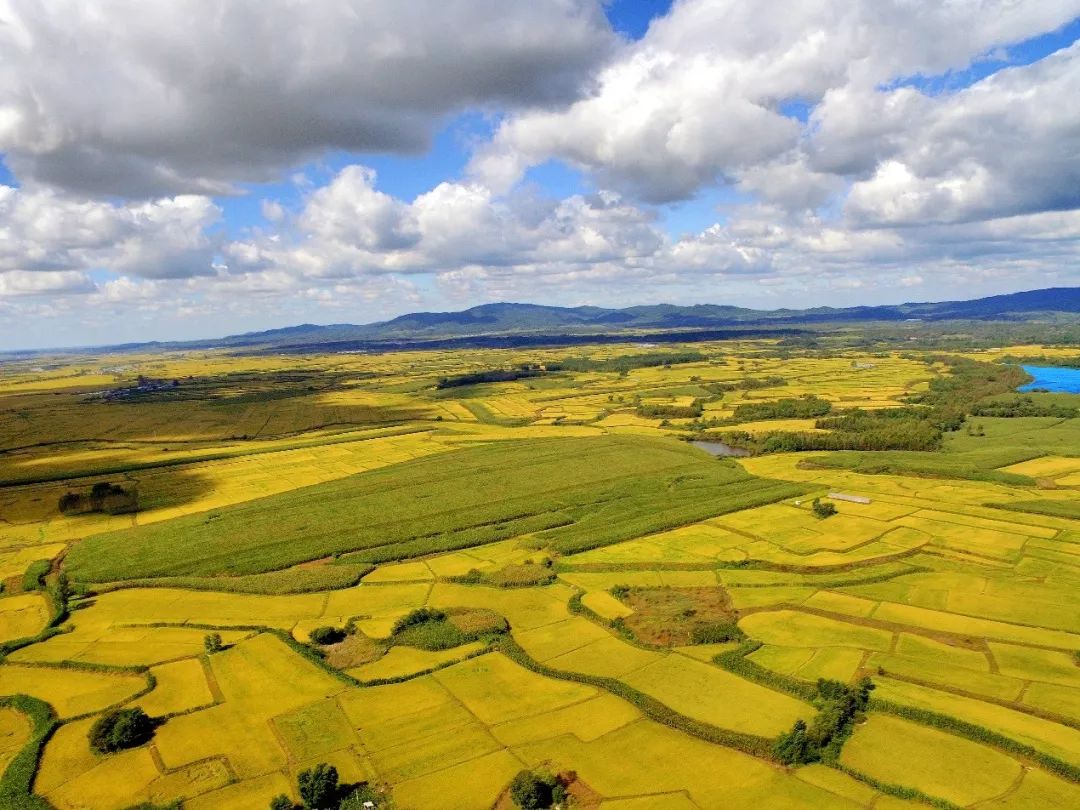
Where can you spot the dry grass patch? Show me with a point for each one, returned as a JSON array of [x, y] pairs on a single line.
[[670, 617]]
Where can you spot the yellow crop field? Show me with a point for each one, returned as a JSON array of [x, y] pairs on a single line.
[[181, 686], [621, 764], [792, 629], [891, 749], [497, 690], [14, 732], [401, 662], [1044, 735], [71, 692], [707, 693], [23, 615]]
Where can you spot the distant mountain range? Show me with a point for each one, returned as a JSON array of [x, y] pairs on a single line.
[[507, 324], [525, 319]]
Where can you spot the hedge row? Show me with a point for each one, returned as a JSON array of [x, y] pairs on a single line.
[[17, 782]]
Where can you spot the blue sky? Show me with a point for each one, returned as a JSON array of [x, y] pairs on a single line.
[[225, 176]]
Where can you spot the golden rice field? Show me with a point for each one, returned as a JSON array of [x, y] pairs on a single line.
[[954, 592]]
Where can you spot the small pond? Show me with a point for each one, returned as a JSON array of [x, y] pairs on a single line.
[[720, 449], [1053, 378]]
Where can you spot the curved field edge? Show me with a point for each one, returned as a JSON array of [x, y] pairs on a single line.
[[16, 784]]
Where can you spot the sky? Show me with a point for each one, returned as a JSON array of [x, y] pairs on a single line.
[[190, 168]]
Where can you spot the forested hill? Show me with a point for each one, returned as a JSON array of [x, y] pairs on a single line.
[[504, 319]]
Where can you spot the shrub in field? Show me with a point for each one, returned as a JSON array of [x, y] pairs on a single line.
[[419, 616], [327, 635], [434, 630], [120, 729], [823, 509], [212, 643], [319, 787], [532, 790], [281, 802]]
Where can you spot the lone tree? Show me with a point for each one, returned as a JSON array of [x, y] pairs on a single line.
[[120, 729], [319, 787], [281, 802]]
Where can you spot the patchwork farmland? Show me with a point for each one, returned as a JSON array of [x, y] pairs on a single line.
[[434, 570]]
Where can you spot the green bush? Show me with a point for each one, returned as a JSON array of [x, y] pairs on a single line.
[[716, 633], [212, 643], [327, 635], [120, 729], [419, 616], [281, 802], [823, 509]]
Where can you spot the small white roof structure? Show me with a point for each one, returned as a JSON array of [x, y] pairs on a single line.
[[840, 496]]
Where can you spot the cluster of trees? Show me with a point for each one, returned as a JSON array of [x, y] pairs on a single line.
[[490, 376], [622, 365], [804, 407], [120, 729], [839, 706], [667, 411], [104, 496], [320, 788], [535, 790], [750, 384], [627, 362], [1021, 407], [919, 426], [823, 509]]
